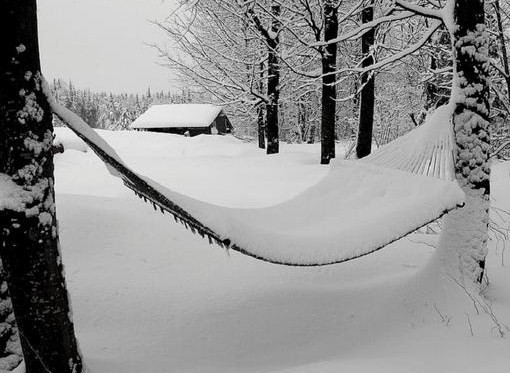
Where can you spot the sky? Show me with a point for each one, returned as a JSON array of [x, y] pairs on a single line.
[[99, 44]]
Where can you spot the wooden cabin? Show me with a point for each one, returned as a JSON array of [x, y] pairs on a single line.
[[184, 119]]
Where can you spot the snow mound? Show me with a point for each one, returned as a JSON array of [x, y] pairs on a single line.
[[150, 144], [13, 196], [158, 145]]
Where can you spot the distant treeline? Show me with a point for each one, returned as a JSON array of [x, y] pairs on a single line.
[[110, 110]]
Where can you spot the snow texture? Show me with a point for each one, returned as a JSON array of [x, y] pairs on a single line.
[[20, 368], [463, 240], [12, 196], [26, 186], [177, 115]]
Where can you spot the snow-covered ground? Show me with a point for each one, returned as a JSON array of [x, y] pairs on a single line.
[[150, 297]]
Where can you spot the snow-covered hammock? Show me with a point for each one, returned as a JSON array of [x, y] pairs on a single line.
[[359, 207]]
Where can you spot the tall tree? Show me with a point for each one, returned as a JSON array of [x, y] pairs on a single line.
[[273, 81], [272, 39], [367, 97], [463, 241], [471, 127], [29, 246], [328, 54]]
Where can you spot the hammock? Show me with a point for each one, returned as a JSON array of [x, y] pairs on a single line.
[[427, 150], [358, 208]]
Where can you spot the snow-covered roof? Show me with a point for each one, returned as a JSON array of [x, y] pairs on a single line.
[[177, 115]]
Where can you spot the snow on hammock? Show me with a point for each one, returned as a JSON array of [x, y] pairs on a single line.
[[426, 150], [356, 209]]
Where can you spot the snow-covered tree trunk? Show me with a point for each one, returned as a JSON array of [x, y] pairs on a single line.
[[463, 242], [367, 97], [273, 82], [328, 119], [10, 348], [29, 246]]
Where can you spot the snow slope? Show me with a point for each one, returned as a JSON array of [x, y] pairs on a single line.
[[150, 297]]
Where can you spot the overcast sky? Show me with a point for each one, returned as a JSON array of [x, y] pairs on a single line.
[[99, 44]]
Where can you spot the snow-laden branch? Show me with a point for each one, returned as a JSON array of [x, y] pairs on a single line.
[[359, 31], [500, 69], [500, 149], [420, 10], [394, 58], [411, 11], [501, 99], [405, 52]]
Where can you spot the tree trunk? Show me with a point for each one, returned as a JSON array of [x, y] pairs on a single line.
[[328, 118], [29, 245], [273, 83], [465, 234], [10, 348], [366, 111], [431, 88], [261, 126]]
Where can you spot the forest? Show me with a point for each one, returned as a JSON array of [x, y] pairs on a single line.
[[382, 54], [404, 60]]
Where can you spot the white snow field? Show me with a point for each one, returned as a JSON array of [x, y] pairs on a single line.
[[150, 297]]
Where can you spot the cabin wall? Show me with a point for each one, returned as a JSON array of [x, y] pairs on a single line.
[[223, 124], [193, 131]]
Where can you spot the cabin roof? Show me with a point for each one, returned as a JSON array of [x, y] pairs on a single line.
[[177, 115]]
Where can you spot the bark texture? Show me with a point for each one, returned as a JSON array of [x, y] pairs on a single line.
[[29, 246], [328, 101], [367, 97]]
